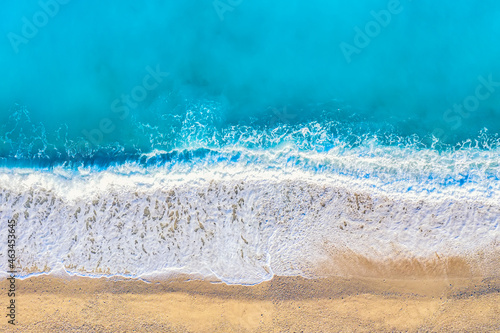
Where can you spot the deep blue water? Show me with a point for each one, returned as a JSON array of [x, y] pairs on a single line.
[[93, 82], [242, 139]]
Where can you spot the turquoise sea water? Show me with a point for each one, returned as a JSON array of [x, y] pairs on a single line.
[[255, 64], [401, 98]]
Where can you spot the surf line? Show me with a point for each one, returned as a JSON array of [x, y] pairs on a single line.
[[11, 254]]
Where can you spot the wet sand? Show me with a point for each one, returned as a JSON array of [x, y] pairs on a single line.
[[284, 304], [435, 295]]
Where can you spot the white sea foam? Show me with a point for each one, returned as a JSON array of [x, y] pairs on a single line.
[[243, 215]]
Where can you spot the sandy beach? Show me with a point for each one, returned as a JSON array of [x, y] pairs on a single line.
[[250, 166], [422, 302]]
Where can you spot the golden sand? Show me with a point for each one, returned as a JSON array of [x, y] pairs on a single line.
[[46, 304], [406, 296]]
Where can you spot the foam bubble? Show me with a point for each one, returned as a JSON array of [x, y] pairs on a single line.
[[243, 215]]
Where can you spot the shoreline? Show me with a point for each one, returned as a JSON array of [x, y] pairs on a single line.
[[483, 262], [283, 304]]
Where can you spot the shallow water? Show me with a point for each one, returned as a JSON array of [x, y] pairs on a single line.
[[127, 127]]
